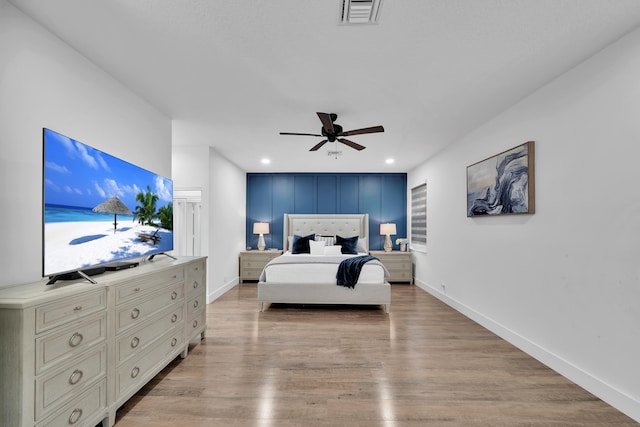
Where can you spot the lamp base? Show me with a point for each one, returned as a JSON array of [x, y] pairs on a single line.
[[261, 244], [388, 246]]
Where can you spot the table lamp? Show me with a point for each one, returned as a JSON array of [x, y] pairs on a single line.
[[387, 230], [261, 228]]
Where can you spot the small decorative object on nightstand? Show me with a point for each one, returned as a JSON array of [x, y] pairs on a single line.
[[403, 244], [386, 230], [252, 263], [399, 264], [261, 228]]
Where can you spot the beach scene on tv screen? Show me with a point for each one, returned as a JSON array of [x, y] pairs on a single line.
[[99, 209]]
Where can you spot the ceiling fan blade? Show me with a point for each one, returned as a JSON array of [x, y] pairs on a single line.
[[327, 123], [352, 144], [372, 129], [319, 144], [303, 134]]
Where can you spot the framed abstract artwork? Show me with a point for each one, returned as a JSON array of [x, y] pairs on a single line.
[[502, 184]]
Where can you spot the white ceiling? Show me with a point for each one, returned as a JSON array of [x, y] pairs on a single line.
[[234, 74]]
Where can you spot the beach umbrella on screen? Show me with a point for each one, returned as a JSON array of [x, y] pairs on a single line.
[[114, 206]]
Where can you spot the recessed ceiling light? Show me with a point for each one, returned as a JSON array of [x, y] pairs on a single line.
[[389, 161], [265, 161]]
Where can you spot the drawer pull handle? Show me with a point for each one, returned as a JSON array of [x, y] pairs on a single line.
[[174, 318], [77, 308], [134, 342], [195, 284], [174, 295], [174, 342], [135, 371], [136, 290], [75, 416], [196, 304], [75, 339], [195, 323], [175, 276], [75, 377], [135, 313]]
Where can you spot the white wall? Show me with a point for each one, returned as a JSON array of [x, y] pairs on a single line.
[[228, 213], [45, 83], [223, 187], [564, 283]]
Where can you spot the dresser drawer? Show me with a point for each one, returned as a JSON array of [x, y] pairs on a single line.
[[138, 311], [397, 263], [400, 276], [195, 278], [251, 273], [57, 313], [130, 290], [255, 259], [63, 384], [69, 342], [135, 341], [195, 304], [137, 371], [196, 323], [255, 262], [82, 411]]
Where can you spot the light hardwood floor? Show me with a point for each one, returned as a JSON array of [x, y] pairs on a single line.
[[424, 364]]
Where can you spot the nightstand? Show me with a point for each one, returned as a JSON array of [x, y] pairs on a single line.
[[399, 264], [252, 263]]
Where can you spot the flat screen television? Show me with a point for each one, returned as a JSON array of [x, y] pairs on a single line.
[[99, 212]]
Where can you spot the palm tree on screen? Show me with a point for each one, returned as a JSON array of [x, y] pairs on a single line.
[[165, 214], [146, 210]]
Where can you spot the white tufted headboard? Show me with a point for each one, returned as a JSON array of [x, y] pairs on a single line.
[[346, 225]]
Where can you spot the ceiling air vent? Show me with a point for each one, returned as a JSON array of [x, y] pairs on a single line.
[[359, 11]]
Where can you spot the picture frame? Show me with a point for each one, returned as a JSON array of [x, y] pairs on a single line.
[[503, 184]]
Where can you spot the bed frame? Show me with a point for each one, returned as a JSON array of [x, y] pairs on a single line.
[[346, 225]]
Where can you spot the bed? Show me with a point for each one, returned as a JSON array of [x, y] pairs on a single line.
[[310, 280]]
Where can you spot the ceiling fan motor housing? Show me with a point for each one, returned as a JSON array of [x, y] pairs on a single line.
[[337, 130]]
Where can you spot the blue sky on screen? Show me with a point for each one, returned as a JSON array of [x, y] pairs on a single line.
[[78, 175]]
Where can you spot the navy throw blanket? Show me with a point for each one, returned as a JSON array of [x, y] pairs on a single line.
[[349, 270]]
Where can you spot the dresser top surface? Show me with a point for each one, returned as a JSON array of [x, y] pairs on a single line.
[[28, 294]]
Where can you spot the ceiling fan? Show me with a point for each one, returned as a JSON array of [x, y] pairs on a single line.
[[333, 132]]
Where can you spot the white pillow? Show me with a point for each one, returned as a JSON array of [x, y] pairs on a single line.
[[333, 250], [290, 241], [329, 240], [362, 245], [316, 248]]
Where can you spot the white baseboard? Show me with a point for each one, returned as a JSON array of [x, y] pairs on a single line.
[[614, 397], [217, 293]]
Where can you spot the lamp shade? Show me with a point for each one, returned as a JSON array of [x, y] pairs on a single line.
[[387, 229], [260, 228]]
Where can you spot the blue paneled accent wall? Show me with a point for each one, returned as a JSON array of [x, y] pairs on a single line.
[[270, 195]]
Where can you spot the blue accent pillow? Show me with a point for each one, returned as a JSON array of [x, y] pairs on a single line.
[[349, 244], [300, 244]]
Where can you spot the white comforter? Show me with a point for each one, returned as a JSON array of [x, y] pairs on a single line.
[[307, 268]]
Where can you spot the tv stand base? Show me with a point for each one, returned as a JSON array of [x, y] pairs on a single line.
[[80, 274], [161, 253]]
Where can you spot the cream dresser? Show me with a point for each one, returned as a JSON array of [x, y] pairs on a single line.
[[399, 264], [73, 352]]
